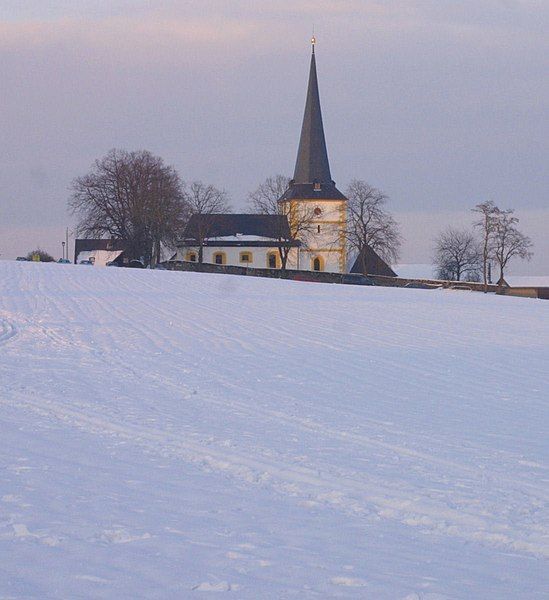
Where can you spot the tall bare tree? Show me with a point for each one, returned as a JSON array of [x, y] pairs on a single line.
[[509, 242], [486, 225], [204, 201], [131, 196], [265, 200], [457, 254], [368, 223]]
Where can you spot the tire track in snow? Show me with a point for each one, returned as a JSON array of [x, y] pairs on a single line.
[[163, 343], [341, 491], [7, 331]]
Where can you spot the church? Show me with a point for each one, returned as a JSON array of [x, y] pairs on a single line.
[[309, 231]]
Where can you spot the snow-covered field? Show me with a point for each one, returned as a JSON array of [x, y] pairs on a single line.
[[171, 435]]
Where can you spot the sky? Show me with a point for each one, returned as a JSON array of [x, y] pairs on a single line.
[[440, 104]]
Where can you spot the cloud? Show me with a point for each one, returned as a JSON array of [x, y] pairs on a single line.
[[437, 102], [133, 39]]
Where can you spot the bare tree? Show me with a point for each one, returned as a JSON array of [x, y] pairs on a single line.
[[131, 196], [368, 224], [204, 200], [509, 242], [486, 224], [265, 200], [457, 254]]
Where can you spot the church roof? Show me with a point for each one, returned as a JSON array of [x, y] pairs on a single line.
[[312, 177], [307, 191], [312, 157], [231, 224]]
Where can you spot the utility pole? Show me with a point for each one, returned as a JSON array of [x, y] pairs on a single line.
[[67, 240]]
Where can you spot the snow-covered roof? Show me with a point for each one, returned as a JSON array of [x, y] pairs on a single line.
[[100, 258], [240, 237]]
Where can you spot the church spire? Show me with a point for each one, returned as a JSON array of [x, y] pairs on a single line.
[[312, 164]]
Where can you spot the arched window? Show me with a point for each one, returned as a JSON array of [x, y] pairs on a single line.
[[219, 258], [246, 257], [192, 256], [317, 263], [272, 261]]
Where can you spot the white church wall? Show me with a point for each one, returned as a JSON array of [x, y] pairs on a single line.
[[302, 259], [325, 238], [233, 255]]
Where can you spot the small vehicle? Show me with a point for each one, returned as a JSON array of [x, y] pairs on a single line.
[[136, 264], [86, 262], [22, 258], [64, 261]]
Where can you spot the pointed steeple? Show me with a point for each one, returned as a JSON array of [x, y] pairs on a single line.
[[312, 164]]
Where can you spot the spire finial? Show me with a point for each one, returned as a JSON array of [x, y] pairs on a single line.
[[313, 39]]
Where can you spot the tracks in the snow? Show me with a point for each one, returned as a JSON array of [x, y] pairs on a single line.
[[7, 331], [321, 483]]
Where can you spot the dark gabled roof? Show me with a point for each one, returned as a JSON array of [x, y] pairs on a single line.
[[307, 191], [87, 245], [222, 225], [375, 265], [312, 157]]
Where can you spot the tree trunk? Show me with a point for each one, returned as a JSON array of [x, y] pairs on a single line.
[[500, 282], [363, 261]]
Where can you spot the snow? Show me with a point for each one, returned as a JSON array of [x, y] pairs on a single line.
[[415, 271], [100, 257], [528, 280], [240, 237], [174, 435]]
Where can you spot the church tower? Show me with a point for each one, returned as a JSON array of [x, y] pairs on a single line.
[[316, 209]]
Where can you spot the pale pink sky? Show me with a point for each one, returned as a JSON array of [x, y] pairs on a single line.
[[440, 104]]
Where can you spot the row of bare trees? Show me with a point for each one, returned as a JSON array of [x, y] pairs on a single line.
[[134, 196], [462, 254]]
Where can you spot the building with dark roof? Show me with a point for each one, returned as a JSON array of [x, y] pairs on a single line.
[[100, 251], [368, 262], [312, 210], [236, 239]]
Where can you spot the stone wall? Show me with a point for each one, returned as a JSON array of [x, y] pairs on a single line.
[[313, 276], [355, 279]]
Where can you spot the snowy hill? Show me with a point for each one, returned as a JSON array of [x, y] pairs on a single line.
[[171, 435]]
